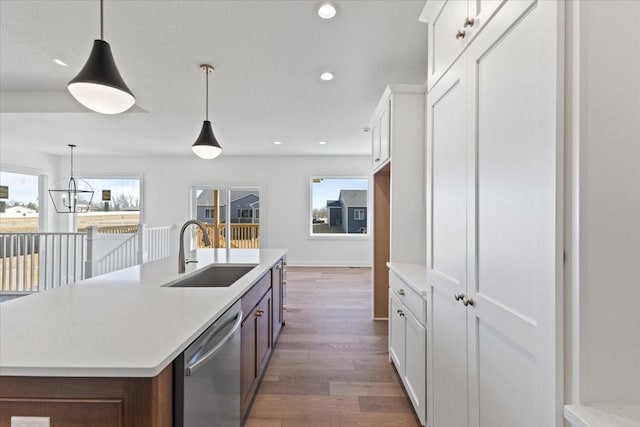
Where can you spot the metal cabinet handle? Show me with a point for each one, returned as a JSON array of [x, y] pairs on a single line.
[[401, 313], [460, 34], [376, 160], [468, 22], [259, 313], [401, 292], [467, 301], [458, 296], [278, 267], [284, 282]]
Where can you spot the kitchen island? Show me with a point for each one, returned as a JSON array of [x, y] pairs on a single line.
[[106, 344]]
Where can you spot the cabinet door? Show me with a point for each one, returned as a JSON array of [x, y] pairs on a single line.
[[375, 145], [276, 285], [385, 133], [415, 364], [264, 332], [446, 250], [396, 332], [514, 229], [248, 353]]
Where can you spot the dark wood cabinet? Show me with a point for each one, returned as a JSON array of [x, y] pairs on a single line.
[[88, 402], [277, 283], [263, 317]]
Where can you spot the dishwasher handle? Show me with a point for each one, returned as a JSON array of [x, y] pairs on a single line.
[[194, 366]]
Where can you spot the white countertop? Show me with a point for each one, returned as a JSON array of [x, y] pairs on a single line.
[[603, 415], [415, 275], [122, 324]]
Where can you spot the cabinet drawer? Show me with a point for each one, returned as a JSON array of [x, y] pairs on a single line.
[[405, 293], [254, 295]]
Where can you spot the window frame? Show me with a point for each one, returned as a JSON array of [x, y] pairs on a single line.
[[337, 236]]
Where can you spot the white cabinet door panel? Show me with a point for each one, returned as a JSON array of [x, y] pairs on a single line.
[[396, 333], [446, 183], [515, 171], [447, 362], [415, 365]]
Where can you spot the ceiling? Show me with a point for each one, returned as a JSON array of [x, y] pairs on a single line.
[[268, 57]]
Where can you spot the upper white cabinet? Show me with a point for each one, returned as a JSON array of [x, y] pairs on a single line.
[[494, 222], [396, 121], [452, 26]]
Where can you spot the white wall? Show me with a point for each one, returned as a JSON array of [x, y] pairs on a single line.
[[603, 333], [284, 208]]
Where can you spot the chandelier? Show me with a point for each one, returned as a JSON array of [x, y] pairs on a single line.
[[75, 197]]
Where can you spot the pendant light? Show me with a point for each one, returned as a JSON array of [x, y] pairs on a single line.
[[207, 146], [99, 86], [75, 197]]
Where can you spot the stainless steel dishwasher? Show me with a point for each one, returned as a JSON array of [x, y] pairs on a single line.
[[207, 376]]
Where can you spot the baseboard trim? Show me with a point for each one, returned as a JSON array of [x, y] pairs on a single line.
[[326, 264]]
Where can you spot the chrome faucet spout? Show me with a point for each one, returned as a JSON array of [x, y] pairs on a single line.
[[205, 237]]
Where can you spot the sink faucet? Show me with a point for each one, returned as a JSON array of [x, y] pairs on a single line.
[[181, 261]]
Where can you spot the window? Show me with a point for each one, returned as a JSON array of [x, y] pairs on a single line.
[[19, 204], [339, 206], [213, 205], [115, 206]]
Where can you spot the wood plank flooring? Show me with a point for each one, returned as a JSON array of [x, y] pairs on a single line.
[[330, 367]]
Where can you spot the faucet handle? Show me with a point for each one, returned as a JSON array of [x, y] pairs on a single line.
[[189, 261]]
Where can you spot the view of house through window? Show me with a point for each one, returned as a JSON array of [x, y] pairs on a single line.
[[115, 206], [18, 202], [212, 207], [339, 205]]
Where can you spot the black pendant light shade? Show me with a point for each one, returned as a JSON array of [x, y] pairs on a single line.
[[207, 146], [99, 85]]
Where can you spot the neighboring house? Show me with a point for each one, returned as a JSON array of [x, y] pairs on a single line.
[[349, 212], [354, 210], [334, 213], [245, 207]]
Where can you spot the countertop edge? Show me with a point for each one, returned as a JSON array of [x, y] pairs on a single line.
[[415, 275], [609, 415]]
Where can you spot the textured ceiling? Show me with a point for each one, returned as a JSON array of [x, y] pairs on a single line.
[[268, 57]]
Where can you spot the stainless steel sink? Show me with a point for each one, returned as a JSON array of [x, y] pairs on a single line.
[[214, 276]]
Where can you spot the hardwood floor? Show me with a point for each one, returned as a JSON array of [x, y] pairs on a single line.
[[330, 366]]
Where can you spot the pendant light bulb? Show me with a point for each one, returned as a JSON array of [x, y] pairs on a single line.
[[99, 85], [206, 145]]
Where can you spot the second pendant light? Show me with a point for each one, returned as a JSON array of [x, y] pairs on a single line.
[[206, 145]]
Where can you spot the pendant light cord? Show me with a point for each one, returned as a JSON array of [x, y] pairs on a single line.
[[71, 160], [206, 72], [101, 20]]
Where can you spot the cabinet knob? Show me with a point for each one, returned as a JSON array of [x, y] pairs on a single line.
[[278, 267], [259, 313], [284, 282], [401, 313], [376, 160], [468, 22], [401, 292], [460, 34], [467, 301], [458, 296]]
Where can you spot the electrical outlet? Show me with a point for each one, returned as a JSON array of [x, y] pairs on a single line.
[[30, 422]]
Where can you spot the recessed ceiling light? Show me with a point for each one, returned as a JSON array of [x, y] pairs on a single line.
[[326, 76], [60, 62], [322, 142], [277, 142], [327, 10]]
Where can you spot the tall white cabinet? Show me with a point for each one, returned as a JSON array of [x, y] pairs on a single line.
[[494, 213]]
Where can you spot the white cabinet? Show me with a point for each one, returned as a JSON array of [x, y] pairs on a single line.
[[380, 136], [407, 340], [494, 249], [398, 185], [452, 26]]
